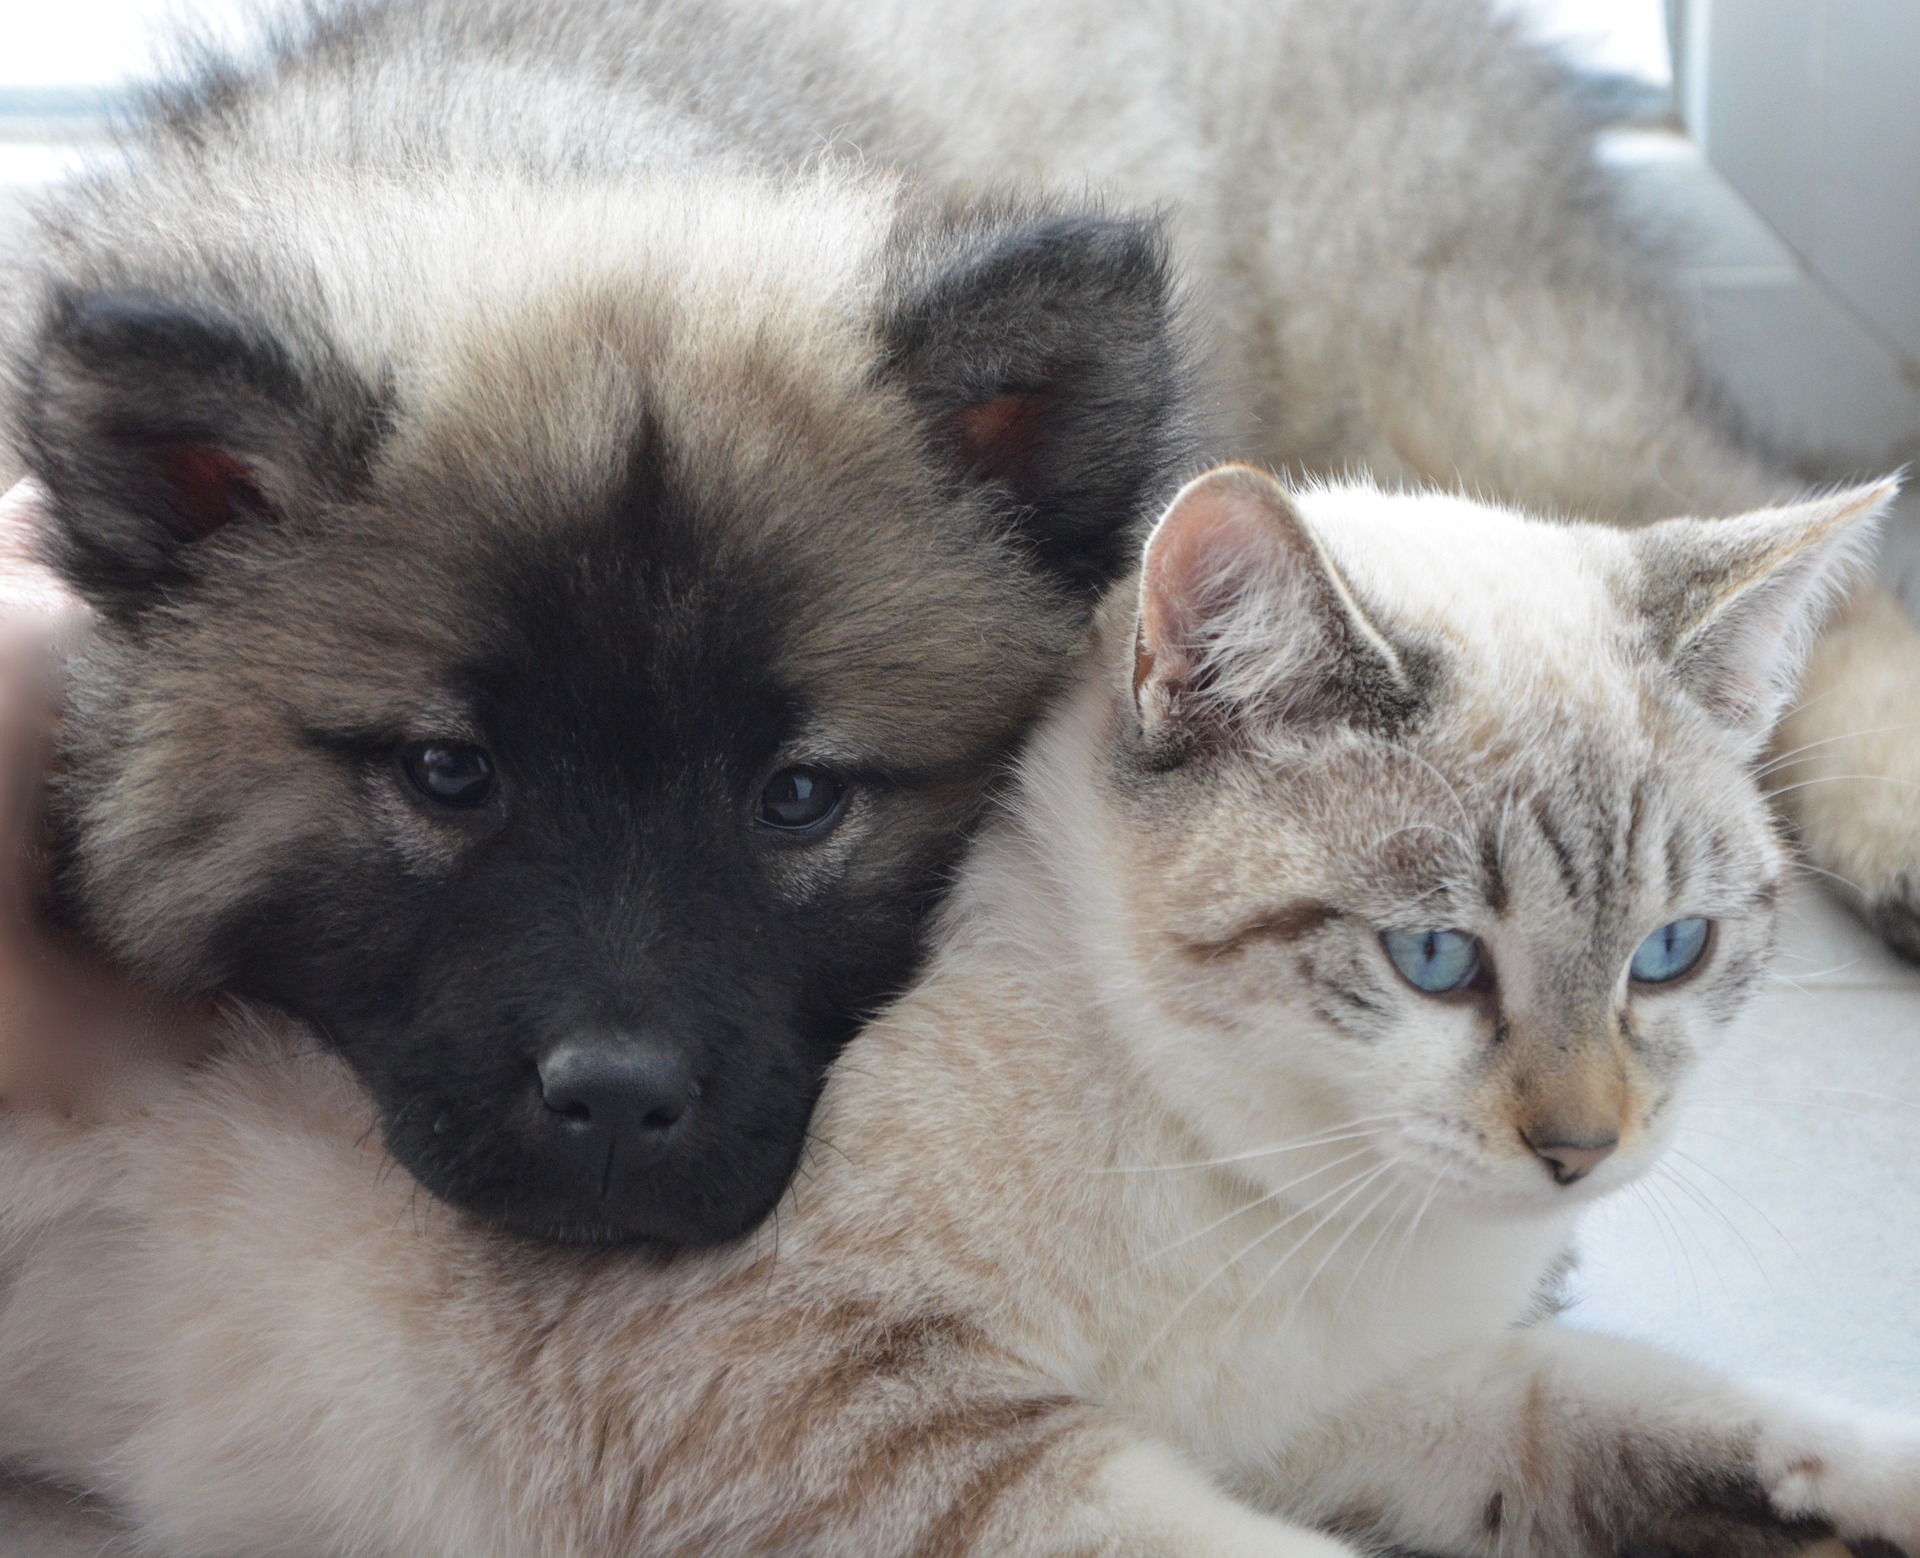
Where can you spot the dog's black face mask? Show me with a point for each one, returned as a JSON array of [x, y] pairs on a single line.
[[586, 786]]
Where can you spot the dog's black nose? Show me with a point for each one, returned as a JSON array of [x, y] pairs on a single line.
[[616, 1090]]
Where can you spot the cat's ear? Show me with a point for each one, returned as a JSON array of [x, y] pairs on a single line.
[[1044, 357], [154, 426], [1245, 621], [1733, 604]]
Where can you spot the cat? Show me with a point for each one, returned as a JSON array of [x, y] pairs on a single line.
[[1353, 923]]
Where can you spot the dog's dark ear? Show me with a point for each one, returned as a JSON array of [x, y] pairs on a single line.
[[155, 427], [1046, 360]]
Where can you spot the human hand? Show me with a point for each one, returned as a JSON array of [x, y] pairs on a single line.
[[69, 1021]]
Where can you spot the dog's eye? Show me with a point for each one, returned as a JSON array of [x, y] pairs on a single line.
[[451, 773], [801, 800]]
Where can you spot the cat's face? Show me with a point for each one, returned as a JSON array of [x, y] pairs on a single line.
[[1437, 831]]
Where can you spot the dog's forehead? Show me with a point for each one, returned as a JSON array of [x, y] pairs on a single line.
[[674, 542]]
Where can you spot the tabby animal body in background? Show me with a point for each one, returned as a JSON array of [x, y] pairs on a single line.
[[1411, 263], [1355, 923]]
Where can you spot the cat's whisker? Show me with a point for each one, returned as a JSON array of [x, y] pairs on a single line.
[[1407, 1195], [1804, 704], [1240, 1211], [1313, 1277], [1408, 1239], [1762, 1100], [1711, 1194], [1698, 1194], [1803, 784], [1359, 1179], [1782, 759], [1645, 1196], [1741, 1142], [1833, 876], [1350, 1131], [1670, 1213]]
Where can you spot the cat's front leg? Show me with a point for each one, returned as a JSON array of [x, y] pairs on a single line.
[[1145, 1502], [1557, 1443]]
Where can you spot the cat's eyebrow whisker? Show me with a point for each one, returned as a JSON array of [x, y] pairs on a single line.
[[1782, 759], [1445, 832], [1453, 792], [1333, 1134], [1818, 973], [1802, 784], [1844, 881]]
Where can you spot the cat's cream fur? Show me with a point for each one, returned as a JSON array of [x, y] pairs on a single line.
[[1162, 1218]]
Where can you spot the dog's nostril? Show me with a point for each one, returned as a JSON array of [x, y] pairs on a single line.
[[617, 1085]]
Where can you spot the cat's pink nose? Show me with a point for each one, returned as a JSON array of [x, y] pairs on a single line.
[[1571, 1161]]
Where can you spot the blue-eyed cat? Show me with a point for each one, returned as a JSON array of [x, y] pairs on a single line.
[[1356, 923]]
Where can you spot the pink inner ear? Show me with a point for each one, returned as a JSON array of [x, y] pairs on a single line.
[[209, 488], [1217, 535], [999, 437]]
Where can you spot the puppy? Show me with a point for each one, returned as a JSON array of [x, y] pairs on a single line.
[[567, 568]]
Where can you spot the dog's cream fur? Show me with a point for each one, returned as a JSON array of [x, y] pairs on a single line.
[[1161, 1219]]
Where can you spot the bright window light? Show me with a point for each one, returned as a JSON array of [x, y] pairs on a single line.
[[97, 43], [1610, 37]]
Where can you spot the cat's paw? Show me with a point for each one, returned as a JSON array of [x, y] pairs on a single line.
[[1847, 769], [1861, 1477], [1714, 1533]]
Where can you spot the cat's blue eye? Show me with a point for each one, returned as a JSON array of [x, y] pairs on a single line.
[[1435, 961], [1670, 951]]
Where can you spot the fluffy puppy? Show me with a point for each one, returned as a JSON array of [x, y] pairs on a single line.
[[566, 573]]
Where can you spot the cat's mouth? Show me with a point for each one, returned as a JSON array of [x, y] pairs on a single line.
[[1459, 1164]]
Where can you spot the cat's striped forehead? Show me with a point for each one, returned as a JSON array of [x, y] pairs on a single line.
[[1516, 602]]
